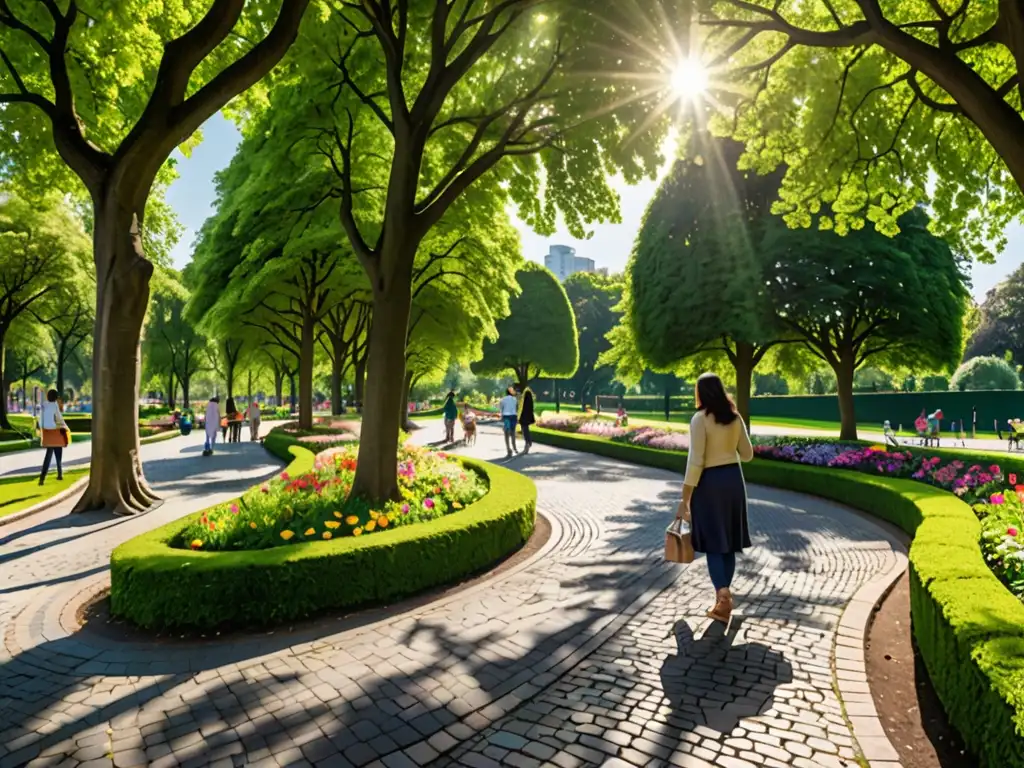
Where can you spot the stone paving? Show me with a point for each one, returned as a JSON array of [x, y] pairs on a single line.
[[594, 652]]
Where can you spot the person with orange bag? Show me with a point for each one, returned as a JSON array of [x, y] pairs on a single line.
[[53, 432]]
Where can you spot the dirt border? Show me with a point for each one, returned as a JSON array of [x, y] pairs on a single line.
[[909, 709]]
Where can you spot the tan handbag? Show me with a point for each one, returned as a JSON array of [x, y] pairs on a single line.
[[678, 546], [54, 438]]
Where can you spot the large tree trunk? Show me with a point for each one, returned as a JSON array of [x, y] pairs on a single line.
[[186, 381], [340, 349], [291, 391], [230, 376], [170, 391], [844, 380], [377, 472], [744, 366], [306, 352], [116, 481]]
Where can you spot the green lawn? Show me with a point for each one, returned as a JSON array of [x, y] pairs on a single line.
[[18, 493]]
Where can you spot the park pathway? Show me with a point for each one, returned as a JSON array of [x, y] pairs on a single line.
[[593, 652]]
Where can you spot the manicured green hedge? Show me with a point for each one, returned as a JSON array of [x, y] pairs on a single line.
[[157, 586], [969, 627]]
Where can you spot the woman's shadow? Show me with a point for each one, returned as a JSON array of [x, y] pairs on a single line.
[[716, 681]]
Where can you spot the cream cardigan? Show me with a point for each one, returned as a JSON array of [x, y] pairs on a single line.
[[715, 445]]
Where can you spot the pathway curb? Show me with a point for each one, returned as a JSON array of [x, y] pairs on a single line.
[[849, 670], [47, 504]]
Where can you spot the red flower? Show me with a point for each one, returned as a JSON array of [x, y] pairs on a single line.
[[1013, 479], [1011, 531]]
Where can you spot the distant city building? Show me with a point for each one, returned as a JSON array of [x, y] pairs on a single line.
[[563, 262]]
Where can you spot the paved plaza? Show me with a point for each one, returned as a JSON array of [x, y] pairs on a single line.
[[592, 652]]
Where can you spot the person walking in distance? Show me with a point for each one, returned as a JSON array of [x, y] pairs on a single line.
[[53, 431], [254, 421], [714, 492], [527, 419], [451, 414], [507, 408], [212, 425]]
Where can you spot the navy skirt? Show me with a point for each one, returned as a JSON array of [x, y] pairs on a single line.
[[718, 509]]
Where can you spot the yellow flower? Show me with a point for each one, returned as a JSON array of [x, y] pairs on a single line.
[[287, 534], [457, 505], [332, 524], [370, 525], [382, 521], [337, 514], [253, 526], [327, 534], [352, 520], [310, 532], [357, 531], [197, 543]]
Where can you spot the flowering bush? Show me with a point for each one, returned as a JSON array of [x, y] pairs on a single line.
[[562, 422], [1002, 521], [602, 429], [662, 439], [651, 437], [326, 433], [318, 505]]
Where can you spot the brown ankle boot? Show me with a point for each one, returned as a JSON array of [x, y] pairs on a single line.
[[723, 606]]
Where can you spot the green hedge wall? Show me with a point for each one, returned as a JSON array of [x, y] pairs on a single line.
[[899, 408], [157, 586], [968, 626]]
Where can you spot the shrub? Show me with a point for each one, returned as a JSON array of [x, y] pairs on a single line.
[[984, 373], [935, 383], [157, 586], [969, 628]]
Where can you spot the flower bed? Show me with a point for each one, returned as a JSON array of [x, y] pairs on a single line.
[[316, 504], [968, 626], [157, 585], [652, 437]]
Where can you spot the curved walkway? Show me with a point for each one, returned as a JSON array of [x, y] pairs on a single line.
[[594, 652]]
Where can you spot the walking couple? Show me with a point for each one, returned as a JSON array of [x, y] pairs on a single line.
[[512, 410]]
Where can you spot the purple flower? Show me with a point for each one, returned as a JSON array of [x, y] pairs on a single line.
[[405, 509], [428, 503]]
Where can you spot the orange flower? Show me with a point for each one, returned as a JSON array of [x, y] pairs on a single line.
[[197, 543], [337, 514], [327, 534], [352, 520], [370, 525], [357, 531], [310, 532], [287, 534], [332, 524], [253, 526], [382, 521]]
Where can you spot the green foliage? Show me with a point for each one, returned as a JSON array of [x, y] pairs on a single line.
[[149, 577], [984, 373], [969, 628], [874, 114], [871, 379], [1000, 327], [934, 383], [172, 344], [593, 298], [538, 338], [821, 382], [696, 275], [770, 384]]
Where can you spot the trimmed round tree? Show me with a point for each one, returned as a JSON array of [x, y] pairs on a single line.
[[980, 373], [538, 338], [695, 278]]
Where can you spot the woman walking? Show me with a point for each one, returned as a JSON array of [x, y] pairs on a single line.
[[212, 425], [507, 408], [254, 420], [451, 414], [527, 418], [714, 493], [53, 435]]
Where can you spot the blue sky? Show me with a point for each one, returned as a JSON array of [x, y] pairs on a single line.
[[192, 196]]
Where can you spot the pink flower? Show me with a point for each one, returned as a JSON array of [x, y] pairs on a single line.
[[284, 475], [428, 503], [1013, 479], [234, 509], [997, 498], [994, 469], [1011, 531], [265, 488], [405, 509]]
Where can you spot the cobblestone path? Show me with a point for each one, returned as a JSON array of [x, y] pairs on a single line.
[[594, 652]]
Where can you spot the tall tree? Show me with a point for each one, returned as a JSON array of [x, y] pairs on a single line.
[[1000, 328], [114, 91], [70, 320], [593, 298], [43, 250], [865, 296], [696, 277], [877, 106], [173, 345], [538, 338], [496, 100]]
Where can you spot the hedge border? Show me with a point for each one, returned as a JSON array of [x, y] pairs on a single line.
[[160, 587], [968, 626]]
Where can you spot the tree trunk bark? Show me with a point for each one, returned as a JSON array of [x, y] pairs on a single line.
[[248, 389], [5, 422], [668, 399], [24, 393], [291, 391], [306, 353], [844, 380], [337, 398], [744, 366], [170, 391], [185, 382], [359, 386], [558, 401], [61, 352], [278, 388], [377, 471], [230, 376], [403, 413], [116, 481]]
